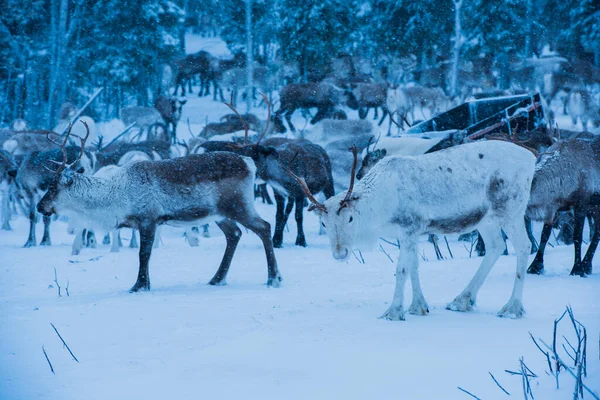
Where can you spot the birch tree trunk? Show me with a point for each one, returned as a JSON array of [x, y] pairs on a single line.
[[249, 66], [457, 45], [56, 93]]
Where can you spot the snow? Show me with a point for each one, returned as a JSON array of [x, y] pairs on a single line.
[[215, 46], [318, 336]]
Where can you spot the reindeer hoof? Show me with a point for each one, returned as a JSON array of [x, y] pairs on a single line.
[[144, 286], [536, 268], [217, 282], [45, 243], [419, 307], [75, 252], [579, 269], [513, 309], [462, 303], [301, 242], [29, 244], [274, 282], [394, 313]]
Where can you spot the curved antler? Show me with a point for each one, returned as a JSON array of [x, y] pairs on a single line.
[[63, 147], [347, 198], [305, 189], [242, 120]]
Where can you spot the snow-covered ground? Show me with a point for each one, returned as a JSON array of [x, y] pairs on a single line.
[[318, 336]]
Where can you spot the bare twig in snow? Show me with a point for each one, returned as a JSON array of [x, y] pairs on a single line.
[[47, 359], [64, 343], [388, 242], [361, 259], [57, 285], [469, 393], [67, 289], [386, 253], [498, 383], [448, 246]]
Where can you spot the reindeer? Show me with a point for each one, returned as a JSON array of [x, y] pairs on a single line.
[[230, 123], [323, 95], [143, 117], [567, 176], [34, 177], [201, 63], [408, 196], [300, 156], [581, 106], [7, 172], [362, 96], [214, 186], [170, 110]]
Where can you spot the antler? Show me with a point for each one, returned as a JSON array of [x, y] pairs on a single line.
[[63, 147], [305, 189], [230, 105], [347, 198]]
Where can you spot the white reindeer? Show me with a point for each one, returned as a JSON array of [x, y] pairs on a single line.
[[483, 185]]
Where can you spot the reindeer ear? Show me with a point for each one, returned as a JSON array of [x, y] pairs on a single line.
[[383, 152], [183, 101]]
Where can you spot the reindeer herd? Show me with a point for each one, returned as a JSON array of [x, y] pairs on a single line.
[[400, 187]]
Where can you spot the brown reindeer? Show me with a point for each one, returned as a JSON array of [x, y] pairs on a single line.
[[362, 96], [322, 95], [170, 110], [567, 176], [202, 64], [201, 187]]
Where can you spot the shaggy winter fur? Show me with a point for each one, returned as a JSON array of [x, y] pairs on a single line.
[[567, 176], [454, 190], [199, 188]]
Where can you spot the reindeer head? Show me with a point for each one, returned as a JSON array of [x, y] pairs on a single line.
[[369, 161], [65, 175], [339, 215]]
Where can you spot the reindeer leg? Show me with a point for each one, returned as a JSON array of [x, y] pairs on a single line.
[[6, 211], [262, 229], [580, 213], [288, 118], [529, 228], [91, 239], [589, 255], [407, 262], [518, 236], [300, 239], [279, 221], [77, 242], [133, 243], [31, 241], [537, 265], [384, 113], [494, 247], [46, 237], [114, 248], [106, 239], [147, 232], [233, 234]]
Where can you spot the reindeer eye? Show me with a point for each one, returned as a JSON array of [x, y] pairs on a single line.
[[322, 223], [351, 219]]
